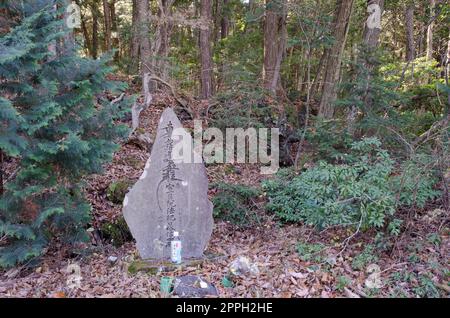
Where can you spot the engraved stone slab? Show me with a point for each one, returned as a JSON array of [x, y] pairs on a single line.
[[171, 195]]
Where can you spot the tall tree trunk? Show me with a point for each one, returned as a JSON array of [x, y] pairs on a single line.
[[448, 56], [225, 22], [217, 18], [409, 23], [447, 76], [205, 50], [371, 38], [87, 38], [371, 33], [164, 30], [143, 12], [68, 40], [1, 173], [276, 80], [332, 71], [114, 29], [318, 81], [270, 42], [87, 41], [430, 31], [274, 42], [420, 39], [224, 31], [134, 45], [107, 21], [95, 14]]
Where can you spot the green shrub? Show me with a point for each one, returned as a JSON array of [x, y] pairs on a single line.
[[117, 190], [236, 204], [243, 107], [435, 239], [426, 287], [342, 283], [362, 189], [366, 257], [329, 194], [330, 140], [415, 183], [116, 232], [423, 284], [310, 252]]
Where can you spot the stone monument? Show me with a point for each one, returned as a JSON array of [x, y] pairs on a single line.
[[171, 195]]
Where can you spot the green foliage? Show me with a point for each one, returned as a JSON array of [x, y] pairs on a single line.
[[240, 54], [310, 252], [342, 282], [236, 204], [394, 227], [116, 232], [360, 188], [117, 190], [308, 28], [383, 241], [244, 106], [328, 194], [435, 239], [414, 73], [395, 101], [329, 140], [366, 257], [415, 185], [53, 124], [424, 286]]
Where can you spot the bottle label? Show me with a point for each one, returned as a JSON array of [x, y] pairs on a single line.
[[176, 251]]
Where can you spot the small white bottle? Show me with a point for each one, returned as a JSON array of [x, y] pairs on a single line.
[[175, 249]]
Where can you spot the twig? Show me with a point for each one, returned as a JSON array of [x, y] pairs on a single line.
[[209, 107], [12, 175], [402, 76], [360, 292], [410, 147], [2, 157], [350, 294], [336, 226], [183, 104], [348, 239], [426, 135], [391, 267], [444, 287], [118, 99]]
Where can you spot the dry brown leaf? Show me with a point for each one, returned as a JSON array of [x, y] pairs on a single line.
[[59, 294], [302, 292]]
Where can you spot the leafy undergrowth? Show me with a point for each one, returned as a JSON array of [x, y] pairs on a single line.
[[294, 260]]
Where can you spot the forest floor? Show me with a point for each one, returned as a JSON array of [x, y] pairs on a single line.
[[294, 260]]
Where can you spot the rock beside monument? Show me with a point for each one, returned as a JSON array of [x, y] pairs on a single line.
[[193, 286], [170, 195]]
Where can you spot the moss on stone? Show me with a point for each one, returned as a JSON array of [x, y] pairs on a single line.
[[154, 267], [141, 266], [117, 190]]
